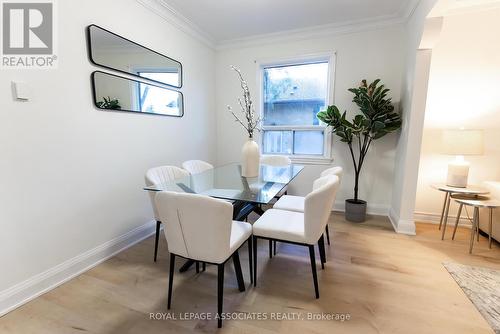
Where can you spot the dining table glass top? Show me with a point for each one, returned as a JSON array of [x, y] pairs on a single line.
[[226, 182]]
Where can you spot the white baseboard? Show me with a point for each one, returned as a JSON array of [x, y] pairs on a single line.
[[403, 226], [39, 284], [433, 218]]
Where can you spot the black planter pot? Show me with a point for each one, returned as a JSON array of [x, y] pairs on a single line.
[[355, 210]]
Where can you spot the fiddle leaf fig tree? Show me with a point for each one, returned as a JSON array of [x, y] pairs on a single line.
[[377, 118]]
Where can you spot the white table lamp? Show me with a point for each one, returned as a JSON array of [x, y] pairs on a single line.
[[460, 143]]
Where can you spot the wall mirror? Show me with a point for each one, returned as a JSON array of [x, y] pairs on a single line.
[[112, 51], [116, 93]]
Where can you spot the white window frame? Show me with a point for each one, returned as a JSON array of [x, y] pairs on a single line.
[[329, 57]]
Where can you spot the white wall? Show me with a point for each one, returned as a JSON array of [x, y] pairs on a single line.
[[463, 91], [413, 106], [72, 175], [371, 54]]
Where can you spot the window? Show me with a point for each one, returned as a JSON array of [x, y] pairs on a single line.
[[156, 100], [292, 95], [169, 78]]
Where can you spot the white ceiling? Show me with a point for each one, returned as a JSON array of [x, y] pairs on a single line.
[[224, 20]]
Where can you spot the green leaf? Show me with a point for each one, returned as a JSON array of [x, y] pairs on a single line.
[[377, 126]]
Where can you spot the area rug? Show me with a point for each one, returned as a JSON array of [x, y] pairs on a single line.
[[482, 286]]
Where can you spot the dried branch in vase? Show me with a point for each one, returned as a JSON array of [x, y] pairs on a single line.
[[248, 121]]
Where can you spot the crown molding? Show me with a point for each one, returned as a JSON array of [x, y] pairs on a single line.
[[347, 27], [408, 11], [310, 32], [169, 14]]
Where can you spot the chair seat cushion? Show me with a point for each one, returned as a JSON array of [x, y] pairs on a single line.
[[290, 203], [280, 224], [240, 232]]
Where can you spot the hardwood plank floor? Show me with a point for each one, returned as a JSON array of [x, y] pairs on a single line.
[[387, 283]]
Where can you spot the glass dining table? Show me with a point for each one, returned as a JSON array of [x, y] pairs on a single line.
[[247, 194]]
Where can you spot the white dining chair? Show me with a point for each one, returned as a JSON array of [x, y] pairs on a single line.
[[335, 170], [299, 228], [296, 203], [159, 175], [276, 161], [196, 166], [200, 228]]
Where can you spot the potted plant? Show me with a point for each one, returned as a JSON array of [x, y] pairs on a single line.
[[250, 154], [109, 103], [377, 119]]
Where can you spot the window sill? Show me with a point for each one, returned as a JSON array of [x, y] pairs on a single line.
[[311, 160]]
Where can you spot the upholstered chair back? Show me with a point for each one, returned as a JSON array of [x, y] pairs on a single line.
[[196, 166], [159, 175], [275, 160], [199, 227], [318, 206], [336, 170], [200, 183]]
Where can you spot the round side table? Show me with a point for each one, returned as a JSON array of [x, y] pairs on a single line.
[[469, 190], [476, 203]]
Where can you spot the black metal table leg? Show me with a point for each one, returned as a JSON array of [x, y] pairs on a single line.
[[186, 266], [258, 210]]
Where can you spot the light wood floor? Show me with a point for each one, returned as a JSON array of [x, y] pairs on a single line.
[[387, 283]]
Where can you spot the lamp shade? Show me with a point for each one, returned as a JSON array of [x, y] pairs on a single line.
[[462, 142]]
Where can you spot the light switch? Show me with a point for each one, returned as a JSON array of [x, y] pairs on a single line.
[[22, 91]]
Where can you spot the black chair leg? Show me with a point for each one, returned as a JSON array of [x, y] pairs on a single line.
[[270, 249], [171, 279], [327, 235], [158, 224], [274, 245], [197, 267], [321, 247], [237, 270], [254, 261], [250, 260], [220, 292], [203, 266], [313, 268]]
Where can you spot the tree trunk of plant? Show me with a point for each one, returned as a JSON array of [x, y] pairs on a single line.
[[356, 182]]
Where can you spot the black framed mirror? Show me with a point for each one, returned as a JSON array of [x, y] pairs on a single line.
[[114, 52], [115, 93]]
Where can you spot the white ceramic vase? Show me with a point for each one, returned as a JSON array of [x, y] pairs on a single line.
[[250, 159]]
